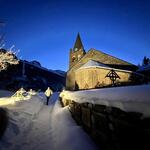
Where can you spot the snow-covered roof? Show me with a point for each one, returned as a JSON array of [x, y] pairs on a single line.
[[96, 64], [93, 63]]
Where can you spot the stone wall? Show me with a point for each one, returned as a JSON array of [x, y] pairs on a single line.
[[112, 128]]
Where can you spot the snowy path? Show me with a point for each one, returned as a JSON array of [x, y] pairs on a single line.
[[35, 126], [40, 132]]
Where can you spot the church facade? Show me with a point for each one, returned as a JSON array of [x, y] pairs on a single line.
[[95, 69]]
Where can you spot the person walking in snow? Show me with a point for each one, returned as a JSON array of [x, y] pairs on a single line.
[[48, 93]]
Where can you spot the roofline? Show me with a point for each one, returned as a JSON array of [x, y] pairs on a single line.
[[109, 68], [104, 68], [110, 56]]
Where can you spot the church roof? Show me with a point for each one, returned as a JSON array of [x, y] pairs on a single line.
[[105, 59], [78, 44]]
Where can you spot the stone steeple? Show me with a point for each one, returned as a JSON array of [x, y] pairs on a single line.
[[78, 44], [77, 52]]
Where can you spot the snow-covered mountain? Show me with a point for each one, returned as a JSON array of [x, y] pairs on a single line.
[[60, 72], [16, 73]]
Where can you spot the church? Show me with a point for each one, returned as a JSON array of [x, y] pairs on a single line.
[[96, 69]]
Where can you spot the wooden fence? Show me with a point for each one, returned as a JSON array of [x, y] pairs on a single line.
[[112, 128]]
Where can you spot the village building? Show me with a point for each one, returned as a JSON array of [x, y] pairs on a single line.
[[95, 69]]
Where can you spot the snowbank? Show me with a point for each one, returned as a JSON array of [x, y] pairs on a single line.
[[12, 98], [21, 114], [131, 98]]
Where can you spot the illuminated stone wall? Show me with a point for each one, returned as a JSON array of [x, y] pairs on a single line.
[[95, 77]]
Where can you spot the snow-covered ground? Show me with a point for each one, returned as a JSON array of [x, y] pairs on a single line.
[[36, 126], [129, 98]]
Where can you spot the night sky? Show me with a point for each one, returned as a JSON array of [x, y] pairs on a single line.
[[46, 30]]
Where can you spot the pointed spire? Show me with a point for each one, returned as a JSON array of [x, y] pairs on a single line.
[[78, 44]]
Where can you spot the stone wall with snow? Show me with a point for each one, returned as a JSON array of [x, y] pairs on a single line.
[[116, 118], [129, 98]]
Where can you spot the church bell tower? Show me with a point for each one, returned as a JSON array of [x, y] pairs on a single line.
[[77, 52]]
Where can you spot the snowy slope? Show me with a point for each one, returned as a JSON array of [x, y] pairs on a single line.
[[131, 98], [36, 126], [58, 72]]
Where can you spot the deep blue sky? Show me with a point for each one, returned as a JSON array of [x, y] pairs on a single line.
[[45, 30]]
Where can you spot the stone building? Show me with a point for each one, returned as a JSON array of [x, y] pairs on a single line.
[[94, 69]]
